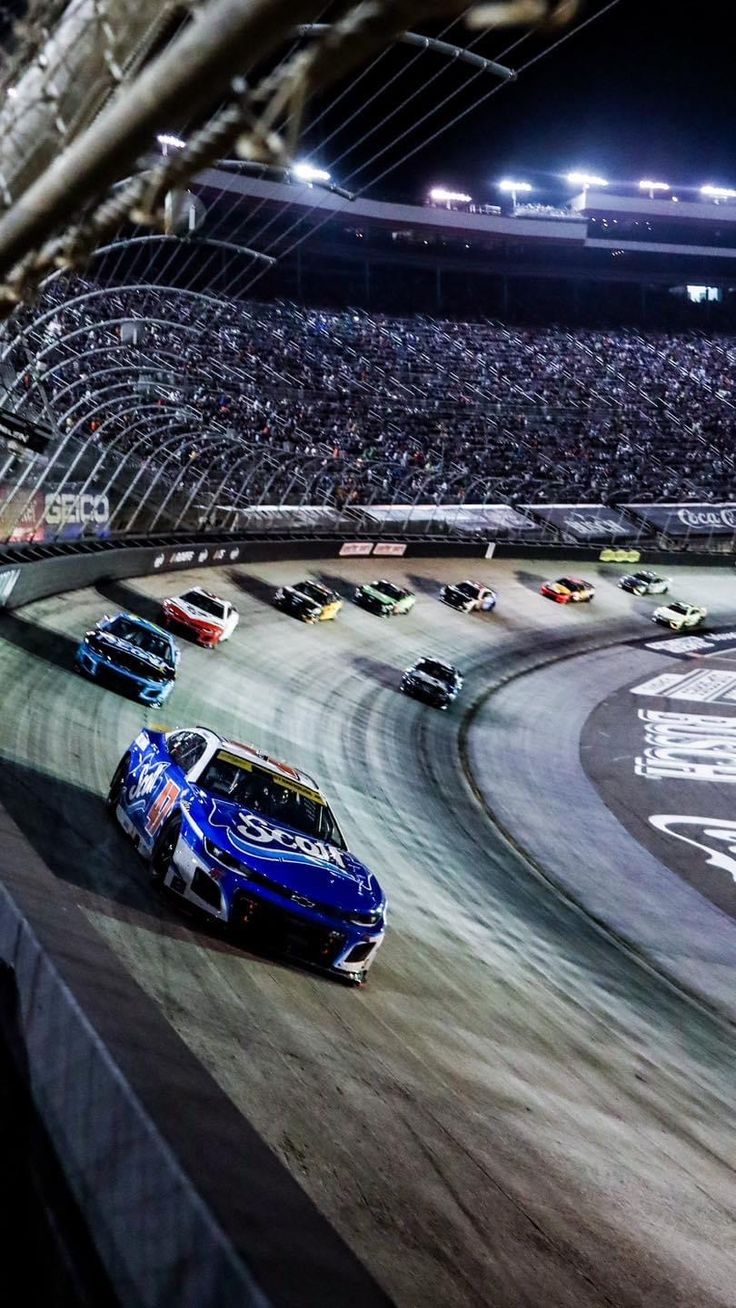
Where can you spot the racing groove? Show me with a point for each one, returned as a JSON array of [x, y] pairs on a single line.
[[511, 1112]]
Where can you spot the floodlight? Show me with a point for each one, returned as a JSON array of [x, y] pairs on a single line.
[[176, 141], [718, 193], [440, 195], [307, 173], [586, 180], [651, 187], [518, 188]]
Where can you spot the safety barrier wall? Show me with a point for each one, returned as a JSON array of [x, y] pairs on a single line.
[[33, 571], [102, 1104]]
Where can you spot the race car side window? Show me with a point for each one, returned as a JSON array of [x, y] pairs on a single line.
[[186, 748]]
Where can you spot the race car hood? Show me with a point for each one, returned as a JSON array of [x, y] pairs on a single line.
[[311, 867], [433, 682], [557, 588], [377, 595], [114, 644], [305, 601], [197, 614]]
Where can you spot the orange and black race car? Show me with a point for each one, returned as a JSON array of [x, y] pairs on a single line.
[[567, 590]]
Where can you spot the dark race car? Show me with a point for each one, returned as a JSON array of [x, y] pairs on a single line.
[[433, 682], [131, 654], [644, 583], [468, 595], [308, 601]]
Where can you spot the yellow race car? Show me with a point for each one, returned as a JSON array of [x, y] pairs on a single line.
[[309, 601]]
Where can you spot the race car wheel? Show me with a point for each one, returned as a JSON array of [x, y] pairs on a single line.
[[674, 626], [163, 850], [116, 785]]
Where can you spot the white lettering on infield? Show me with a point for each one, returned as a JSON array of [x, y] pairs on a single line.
[[720, 834], [703, 685], [687, 746]]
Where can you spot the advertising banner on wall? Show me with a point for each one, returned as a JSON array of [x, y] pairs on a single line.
[[498, 520], [588, 522], [688, 519], [52, 515]]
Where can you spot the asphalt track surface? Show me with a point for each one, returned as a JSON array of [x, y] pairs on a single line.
[[513, 1111]]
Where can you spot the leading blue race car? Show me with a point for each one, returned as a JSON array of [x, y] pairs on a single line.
[[252, 844], [130, 653]]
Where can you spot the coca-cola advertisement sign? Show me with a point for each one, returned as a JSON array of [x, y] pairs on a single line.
[[688, 519]]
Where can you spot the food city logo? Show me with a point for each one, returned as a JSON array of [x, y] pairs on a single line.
[[586, 526], [725, 517], [687, 747], [716, 837]]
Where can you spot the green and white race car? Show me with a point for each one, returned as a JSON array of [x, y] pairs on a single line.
[[384, 598]]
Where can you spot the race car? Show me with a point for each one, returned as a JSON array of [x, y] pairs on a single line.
[[309, 601], [679, 615], [434, 682], [203, 615], [252, 844], [644, 583], [568, 590], [384, 598], [127, 652], [468, 595]]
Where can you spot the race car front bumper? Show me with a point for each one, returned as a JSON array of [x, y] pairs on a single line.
[[247, 907], [101, 669]]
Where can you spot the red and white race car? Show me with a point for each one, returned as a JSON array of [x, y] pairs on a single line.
[[568, 590], [205, 617]]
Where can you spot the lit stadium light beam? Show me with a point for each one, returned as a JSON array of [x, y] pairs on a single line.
[[174, 141], [305, 172], [717, 193], [650, 187], [440, 195], [513, 188], [586, 180]]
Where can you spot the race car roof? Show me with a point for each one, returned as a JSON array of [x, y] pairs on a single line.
[[143, 622], [252, 754]]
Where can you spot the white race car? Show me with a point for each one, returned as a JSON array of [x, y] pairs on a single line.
[[204, 616], [678, 615], [644, 583]]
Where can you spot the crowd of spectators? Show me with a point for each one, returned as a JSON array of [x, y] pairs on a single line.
[[277, 403]]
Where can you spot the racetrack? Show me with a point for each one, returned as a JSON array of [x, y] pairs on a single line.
[[512, 1112]]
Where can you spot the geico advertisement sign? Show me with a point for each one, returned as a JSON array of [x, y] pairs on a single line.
[[80, 510]]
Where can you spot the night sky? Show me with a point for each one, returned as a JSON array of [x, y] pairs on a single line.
[[649, 89]]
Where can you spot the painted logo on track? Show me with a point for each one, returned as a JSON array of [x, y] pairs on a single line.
[[717, 837]]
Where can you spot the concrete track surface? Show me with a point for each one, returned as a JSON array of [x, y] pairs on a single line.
[[512, 1112]]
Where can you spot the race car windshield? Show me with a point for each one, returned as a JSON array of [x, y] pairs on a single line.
[[569, 584], [277, 798], [205, 603], [147, 641], [388, 588], [312, 592], [468, 589], [677, 607], [436, 670]]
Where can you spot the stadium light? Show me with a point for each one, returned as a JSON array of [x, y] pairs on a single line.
[[716, 193], [307, 173], [586, 180], [513, 188], [174, 141], [651, 187], [440, 195]]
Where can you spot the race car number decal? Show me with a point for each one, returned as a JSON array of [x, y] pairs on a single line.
[[161, 807]]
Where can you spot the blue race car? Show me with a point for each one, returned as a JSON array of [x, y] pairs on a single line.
[[131, 654], [252, 844]]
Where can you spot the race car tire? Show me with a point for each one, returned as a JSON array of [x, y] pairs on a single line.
[[674, 626], [163, 850], [116, 785]]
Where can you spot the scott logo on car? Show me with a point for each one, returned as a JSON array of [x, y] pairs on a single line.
[[147, 780]]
